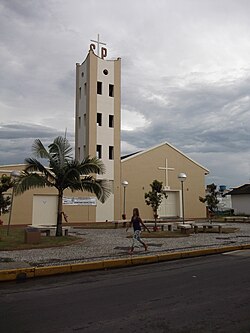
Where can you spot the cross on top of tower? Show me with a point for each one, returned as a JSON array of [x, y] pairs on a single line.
[[98, 44]]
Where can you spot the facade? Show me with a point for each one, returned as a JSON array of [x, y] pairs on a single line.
[[97, 133], [25, 209], [164, 163], [98, 123], [240, 197]]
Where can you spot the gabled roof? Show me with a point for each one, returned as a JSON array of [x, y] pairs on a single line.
[[243, 189], [128, 157]]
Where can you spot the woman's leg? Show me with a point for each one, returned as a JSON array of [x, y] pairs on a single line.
[[141, 241]]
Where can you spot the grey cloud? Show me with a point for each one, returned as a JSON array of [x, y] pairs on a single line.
[[17, 139]]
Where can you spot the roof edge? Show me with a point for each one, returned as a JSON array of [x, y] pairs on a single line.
[[171, 146]]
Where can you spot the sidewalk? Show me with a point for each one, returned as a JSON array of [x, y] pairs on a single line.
[[112, 244]]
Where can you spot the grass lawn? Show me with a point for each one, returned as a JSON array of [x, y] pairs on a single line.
[[15, 240]]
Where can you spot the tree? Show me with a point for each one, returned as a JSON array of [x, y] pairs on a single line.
[[63, 172], [211, 199], [5, 201], [154, 198]]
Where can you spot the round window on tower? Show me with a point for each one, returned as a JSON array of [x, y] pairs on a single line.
[[105, 72]]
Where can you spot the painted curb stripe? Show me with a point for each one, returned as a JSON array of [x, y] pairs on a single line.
[[23, 273], [87, 266]]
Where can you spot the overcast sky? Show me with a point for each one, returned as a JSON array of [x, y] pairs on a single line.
[[185, 75]]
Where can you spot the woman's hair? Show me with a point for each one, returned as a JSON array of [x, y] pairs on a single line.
[[136, 212]]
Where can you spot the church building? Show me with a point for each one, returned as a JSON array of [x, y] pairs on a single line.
[[98, 133]]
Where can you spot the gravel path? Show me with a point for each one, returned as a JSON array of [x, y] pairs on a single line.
[[103, 244]]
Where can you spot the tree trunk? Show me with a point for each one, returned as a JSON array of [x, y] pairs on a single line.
[[155, 217], [59, 214]]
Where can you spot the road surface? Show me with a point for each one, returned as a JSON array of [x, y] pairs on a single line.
[[206, 294]]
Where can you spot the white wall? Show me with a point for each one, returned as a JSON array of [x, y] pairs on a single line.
[[241, 204], [44, 210]]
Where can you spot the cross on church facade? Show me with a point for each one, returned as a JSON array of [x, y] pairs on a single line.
[[166, 168], [98, 44]]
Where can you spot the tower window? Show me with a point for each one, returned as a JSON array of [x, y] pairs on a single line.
[[99, 151], [111, 152], [99, 87], [79, 122], [80, 92], [111, 120], [111, 90], [85, 88], [105, 72], [99, 119]]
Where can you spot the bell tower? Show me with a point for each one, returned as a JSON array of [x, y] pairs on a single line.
[[98, 120]]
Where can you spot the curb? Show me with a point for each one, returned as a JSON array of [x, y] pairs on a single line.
[[33, 272]]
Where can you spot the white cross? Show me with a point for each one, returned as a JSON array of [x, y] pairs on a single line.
[[166, 168], [98, 44]]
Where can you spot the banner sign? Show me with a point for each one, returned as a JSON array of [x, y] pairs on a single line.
[[73, 201]]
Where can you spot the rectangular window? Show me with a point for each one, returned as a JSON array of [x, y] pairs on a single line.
[[99, 151], [85, 88], [111, 152], [99, 119], [99, 87], [111, 90], [79, 153], [111, 120], [79, 122], [80, 92]]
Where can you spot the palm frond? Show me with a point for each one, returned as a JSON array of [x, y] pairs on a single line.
[[39, 150], [33, 165], [100, 187], [92, 165], [60, 151], [28, 181]]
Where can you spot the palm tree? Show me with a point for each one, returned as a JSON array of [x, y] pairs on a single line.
[[63, 172]]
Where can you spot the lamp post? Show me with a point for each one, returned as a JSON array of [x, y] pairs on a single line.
[[182, 177], [124, 184], [14, 174]]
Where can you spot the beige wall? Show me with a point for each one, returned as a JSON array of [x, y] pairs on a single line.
[[22, 204], [141, 170]]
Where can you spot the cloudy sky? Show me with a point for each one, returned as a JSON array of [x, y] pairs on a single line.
[[185, 75]]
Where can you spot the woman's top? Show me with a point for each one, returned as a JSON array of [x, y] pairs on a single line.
[[136, 222]]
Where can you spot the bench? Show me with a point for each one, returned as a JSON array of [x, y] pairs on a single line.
[[236, 218], [185, 228], [46, 229], [206, 226], [161, 225], [191, 223]]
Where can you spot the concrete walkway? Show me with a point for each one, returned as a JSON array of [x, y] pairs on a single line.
[[112, 244]]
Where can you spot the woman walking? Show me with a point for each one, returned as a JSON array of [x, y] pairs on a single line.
[[136, 221]]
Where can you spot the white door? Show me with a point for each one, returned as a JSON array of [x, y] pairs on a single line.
[[169, 207], [44, 210]]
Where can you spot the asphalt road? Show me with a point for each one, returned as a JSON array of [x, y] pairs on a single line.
[[207, 294]]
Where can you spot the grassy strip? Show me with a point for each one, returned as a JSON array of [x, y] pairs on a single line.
[[15, 240]]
